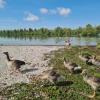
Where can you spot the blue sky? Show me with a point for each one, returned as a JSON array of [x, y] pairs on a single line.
[[48, 13]]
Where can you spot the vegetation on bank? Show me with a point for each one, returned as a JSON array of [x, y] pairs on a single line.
[[44, 90], [88, 30]]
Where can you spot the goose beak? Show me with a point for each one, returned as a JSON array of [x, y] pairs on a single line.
[[5, 52]]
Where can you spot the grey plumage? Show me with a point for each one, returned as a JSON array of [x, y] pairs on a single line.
[[72, 67], [93, 81], [13, 63]]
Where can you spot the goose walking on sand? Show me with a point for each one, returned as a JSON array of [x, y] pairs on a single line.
[[93, 81], [14, 64]]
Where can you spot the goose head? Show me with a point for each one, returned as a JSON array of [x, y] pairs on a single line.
[[6, 53]]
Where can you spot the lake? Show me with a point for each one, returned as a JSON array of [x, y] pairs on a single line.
[[50, 41]]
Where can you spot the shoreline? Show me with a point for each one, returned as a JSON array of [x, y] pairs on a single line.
[[36, 45], [49, 45]]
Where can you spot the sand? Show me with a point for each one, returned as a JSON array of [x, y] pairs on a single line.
[[33, 55]]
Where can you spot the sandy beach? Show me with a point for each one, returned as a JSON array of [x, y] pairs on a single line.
[[33, 55]]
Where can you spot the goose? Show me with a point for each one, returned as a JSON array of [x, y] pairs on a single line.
[[86, 58], [67, 43], [93, 81], [72, 67], [51, 75], [95, 61], [15, 64]]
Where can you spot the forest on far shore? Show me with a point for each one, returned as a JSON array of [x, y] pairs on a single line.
[[87, 31]]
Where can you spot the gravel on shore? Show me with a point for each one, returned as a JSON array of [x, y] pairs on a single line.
[[30, 54]]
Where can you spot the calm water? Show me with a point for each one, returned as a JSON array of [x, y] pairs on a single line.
[[50, 41]]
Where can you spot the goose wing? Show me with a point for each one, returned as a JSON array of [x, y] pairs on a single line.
[[19, 62], [73, 64]]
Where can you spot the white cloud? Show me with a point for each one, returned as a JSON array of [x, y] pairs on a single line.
[[44, 10], [60, 10], [2, 3], [31, 17], [64, 11]]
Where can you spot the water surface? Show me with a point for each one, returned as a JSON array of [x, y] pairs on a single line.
[[50, 41]]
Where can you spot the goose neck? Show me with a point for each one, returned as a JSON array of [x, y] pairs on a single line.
[[8, 58]]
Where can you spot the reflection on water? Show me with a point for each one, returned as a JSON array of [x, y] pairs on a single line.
[[50, 41]]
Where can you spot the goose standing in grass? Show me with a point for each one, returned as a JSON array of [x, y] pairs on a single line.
[[14, 64], [52, 76], [86, 58], [95, 61], [94, 82], [72, 67]]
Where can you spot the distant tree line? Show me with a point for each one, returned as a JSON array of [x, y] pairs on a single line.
[[87, 31]]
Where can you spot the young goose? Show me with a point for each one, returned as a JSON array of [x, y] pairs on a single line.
[[51, 75], [72, 67], [95, 61], [16, 64], [94, 82]]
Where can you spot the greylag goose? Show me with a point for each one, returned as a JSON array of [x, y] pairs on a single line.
[[93, 81], [51, 75], [95, 61], [86, 58], [15, 64], [72, 67], [67, 43]]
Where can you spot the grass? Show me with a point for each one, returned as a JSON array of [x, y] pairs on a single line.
[[44, 90], [85, 54]]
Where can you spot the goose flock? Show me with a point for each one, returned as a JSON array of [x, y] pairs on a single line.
[[73, 68], [93, 81]]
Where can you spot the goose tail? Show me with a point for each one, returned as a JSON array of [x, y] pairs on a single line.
[[77, 68]]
